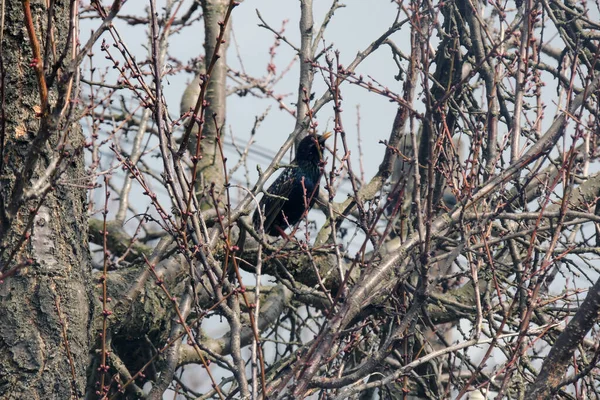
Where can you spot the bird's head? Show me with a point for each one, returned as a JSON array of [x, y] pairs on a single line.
[[311, 148]]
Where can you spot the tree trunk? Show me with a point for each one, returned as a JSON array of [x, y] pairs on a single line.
[[211, 163], [44, 258]]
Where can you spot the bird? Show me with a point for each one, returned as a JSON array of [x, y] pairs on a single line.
[[295, 190]]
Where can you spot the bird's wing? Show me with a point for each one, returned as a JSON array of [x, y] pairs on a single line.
[[275, 197]]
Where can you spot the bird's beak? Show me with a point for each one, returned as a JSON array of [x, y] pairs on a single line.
[[326, 136]]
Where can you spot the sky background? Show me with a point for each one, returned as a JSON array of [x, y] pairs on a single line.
[[352, 29]]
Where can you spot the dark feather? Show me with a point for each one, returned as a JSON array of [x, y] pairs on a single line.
[[295, 190]]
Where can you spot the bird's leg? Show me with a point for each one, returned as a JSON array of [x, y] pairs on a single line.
[[282, 233]]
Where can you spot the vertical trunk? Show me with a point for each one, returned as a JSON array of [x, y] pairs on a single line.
[[44, 257], [211, 165]]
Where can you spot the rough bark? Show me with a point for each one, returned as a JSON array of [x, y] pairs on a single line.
[[557, 362], [44, 317]]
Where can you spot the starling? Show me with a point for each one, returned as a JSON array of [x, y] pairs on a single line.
[[295, 190]]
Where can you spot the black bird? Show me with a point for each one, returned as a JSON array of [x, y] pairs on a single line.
[[285, 201]]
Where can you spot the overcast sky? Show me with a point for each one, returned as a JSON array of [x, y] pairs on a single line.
[[352, 29]]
